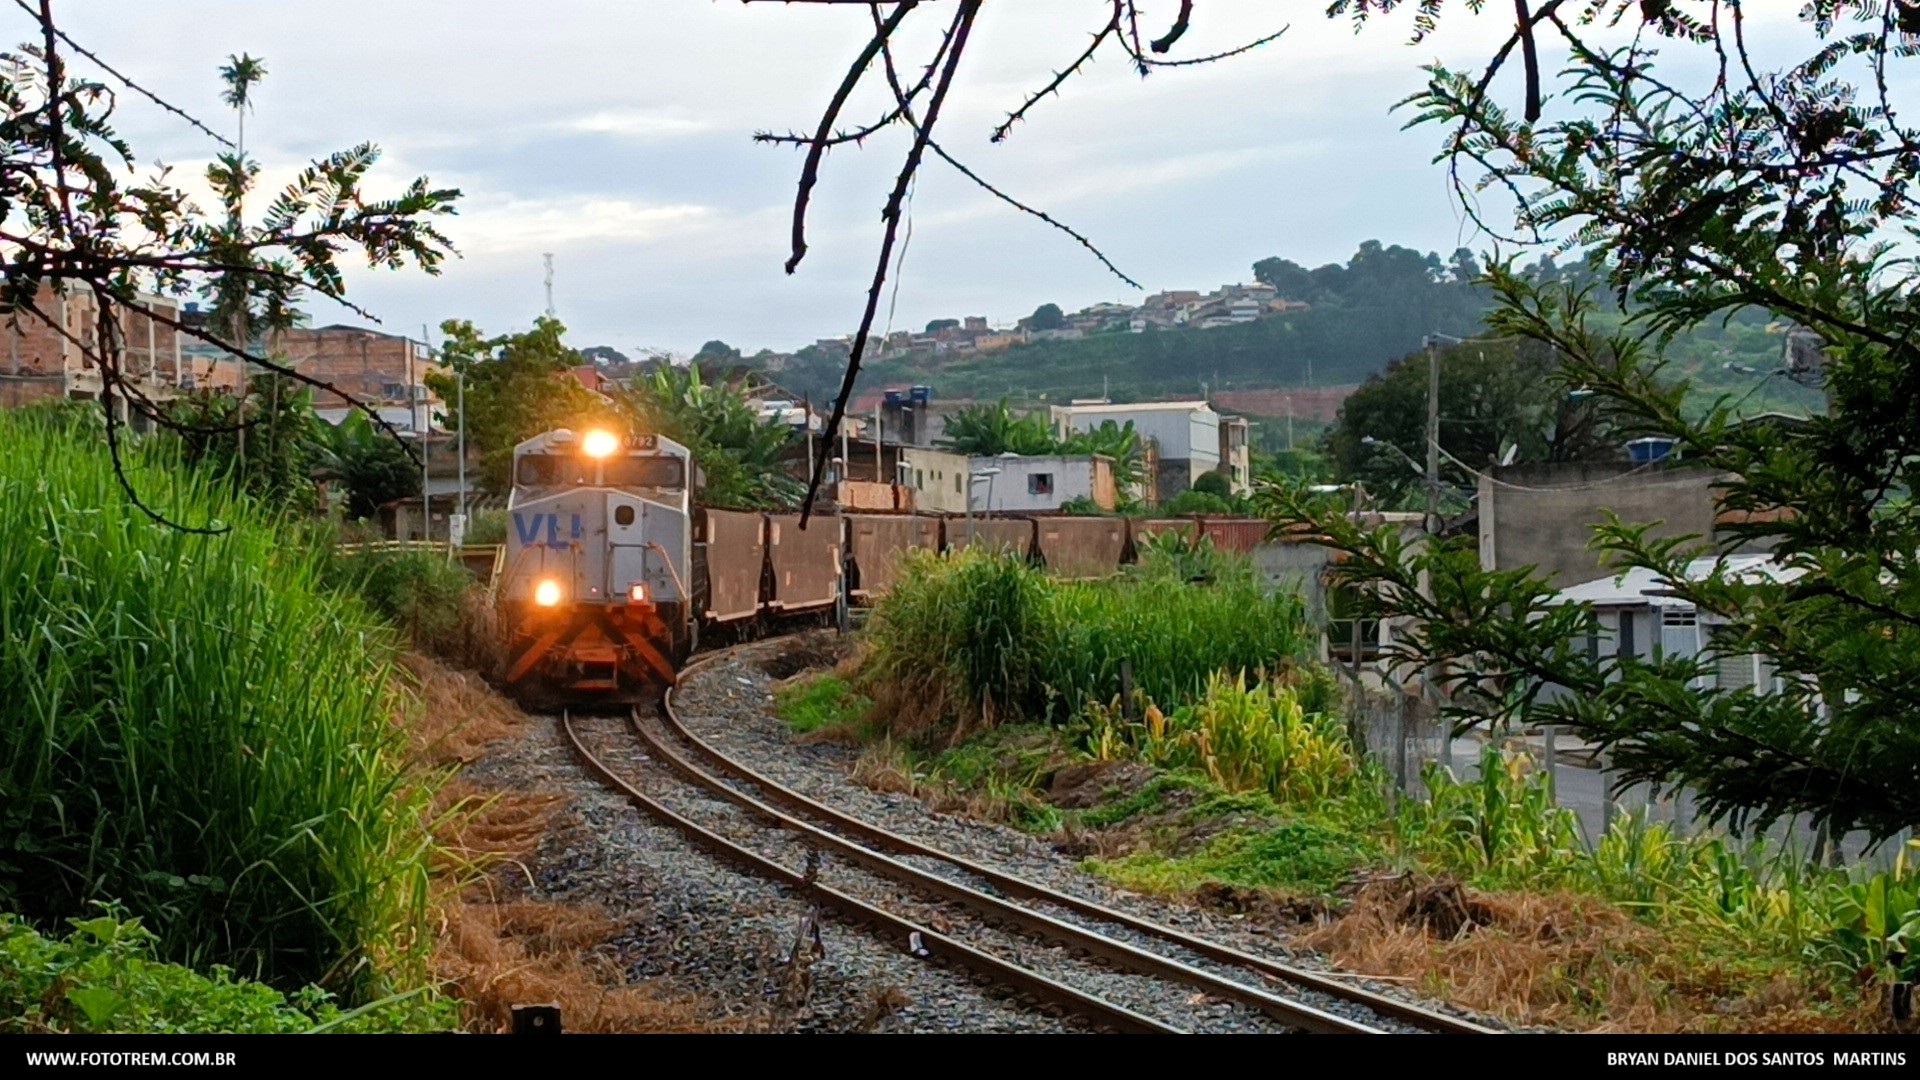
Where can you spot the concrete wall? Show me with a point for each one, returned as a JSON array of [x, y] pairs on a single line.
[[1544, 515], [938, 479]]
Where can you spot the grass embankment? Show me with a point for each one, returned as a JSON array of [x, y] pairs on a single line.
[[197, 729], [1230, 780]]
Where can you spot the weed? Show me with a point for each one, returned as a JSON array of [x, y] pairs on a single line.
[[103, 978], [824, 701], [1295, 857], [195, 726]]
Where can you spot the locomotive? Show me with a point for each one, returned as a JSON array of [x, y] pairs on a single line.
[[595, 601]]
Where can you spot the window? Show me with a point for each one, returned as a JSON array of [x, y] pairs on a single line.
[[956, 484], [1040, 483], [1626, 636], [552, 470], [653, 472]]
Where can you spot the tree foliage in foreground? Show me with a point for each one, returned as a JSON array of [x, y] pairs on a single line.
[[1726, 183], [83, 220]]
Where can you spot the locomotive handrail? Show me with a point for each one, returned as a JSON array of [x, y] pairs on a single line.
[[685, 596]]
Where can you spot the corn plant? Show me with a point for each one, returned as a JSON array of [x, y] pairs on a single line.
[[1503, 824]]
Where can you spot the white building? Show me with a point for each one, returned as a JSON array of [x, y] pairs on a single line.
[[1185, 435], [1010, 482], [1639, 617]]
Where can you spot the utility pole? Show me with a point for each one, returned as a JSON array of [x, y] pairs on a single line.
[[424, 418], [1431, 523], [879, 467], [460, 392]]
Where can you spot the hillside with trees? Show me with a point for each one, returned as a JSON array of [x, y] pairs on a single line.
[[1359, 317]]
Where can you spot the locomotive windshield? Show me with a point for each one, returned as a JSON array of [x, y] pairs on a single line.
[[653, 472], [569, 470]]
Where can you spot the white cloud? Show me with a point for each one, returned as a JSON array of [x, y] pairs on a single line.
[[509, 226], [637, 124]]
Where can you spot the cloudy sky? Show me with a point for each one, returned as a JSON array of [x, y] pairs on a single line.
[[617, 135]]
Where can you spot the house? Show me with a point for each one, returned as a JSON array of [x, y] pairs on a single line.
[[1639, 616], [385, 371], [1236, 462], [1184, 436], [1041, 483], [45, 361]]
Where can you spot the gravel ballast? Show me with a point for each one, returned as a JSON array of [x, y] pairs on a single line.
[[728, 702]]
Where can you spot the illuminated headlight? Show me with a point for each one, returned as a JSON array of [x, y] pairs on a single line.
[[599, 443], [547, 593], [637, 593]]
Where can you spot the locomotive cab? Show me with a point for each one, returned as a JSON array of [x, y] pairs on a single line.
[[595, 600]]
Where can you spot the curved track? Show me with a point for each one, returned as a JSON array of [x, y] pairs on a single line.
[[1266, 969], [1105, 936]]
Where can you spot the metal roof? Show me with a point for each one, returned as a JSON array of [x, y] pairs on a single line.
[[1641, 587]]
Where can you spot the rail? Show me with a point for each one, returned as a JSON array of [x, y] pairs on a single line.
[[932, 943], [1281, 1008]]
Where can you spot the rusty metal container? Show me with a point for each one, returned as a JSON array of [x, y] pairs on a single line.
[[879, 543], [1012, 535], [1235, 534], [736, 552], [1082, 547], [806, 562]]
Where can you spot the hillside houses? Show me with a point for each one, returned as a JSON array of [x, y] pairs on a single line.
[[974, 335]]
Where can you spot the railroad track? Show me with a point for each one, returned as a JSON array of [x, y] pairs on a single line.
[[868, 862]]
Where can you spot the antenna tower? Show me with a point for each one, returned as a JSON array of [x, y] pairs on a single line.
[[548, 258]]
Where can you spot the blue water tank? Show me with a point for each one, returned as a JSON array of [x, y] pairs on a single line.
[[921, 394], [1649, 450], [894, 397]]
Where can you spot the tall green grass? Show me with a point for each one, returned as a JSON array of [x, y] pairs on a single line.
[[987, 637], [194, 726]]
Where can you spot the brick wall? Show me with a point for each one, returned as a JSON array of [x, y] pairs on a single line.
[[367, 364]]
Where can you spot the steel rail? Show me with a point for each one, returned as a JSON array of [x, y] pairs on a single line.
[[1288, 1011], [1407, 1012], [933, 944]]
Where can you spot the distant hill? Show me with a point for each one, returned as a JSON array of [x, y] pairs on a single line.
[[1359, 316]]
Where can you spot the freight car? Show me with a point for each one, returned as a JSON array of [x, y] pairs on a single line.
[[613, 574]]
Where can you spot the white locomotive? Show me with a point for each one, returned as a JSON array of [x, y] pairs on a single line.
[[596, 600]]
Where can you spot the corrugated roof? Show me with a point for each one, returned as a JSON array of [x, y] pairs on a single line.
[[1641, 586]]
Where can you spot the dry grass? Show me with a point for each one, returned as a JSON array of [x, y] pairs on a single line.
[[1556, 960], [884, 766], [454, 714], [528, 952], [492, 950]]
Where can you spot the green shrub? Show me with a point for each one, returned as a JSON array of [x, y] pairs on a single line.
[[1015, 644], [194, 726], [1243, 737], [820, 702], [487, 527], [426, 595], [103, 978], [1297, 856], [1194, 501]]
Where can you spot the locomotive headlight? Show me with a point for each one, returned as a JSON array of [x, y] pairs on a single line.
[[547, 592], [637, 592], [599, 443]]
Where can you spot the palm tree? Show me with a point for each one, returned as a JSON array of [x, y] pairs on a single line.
[[241, 74]]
